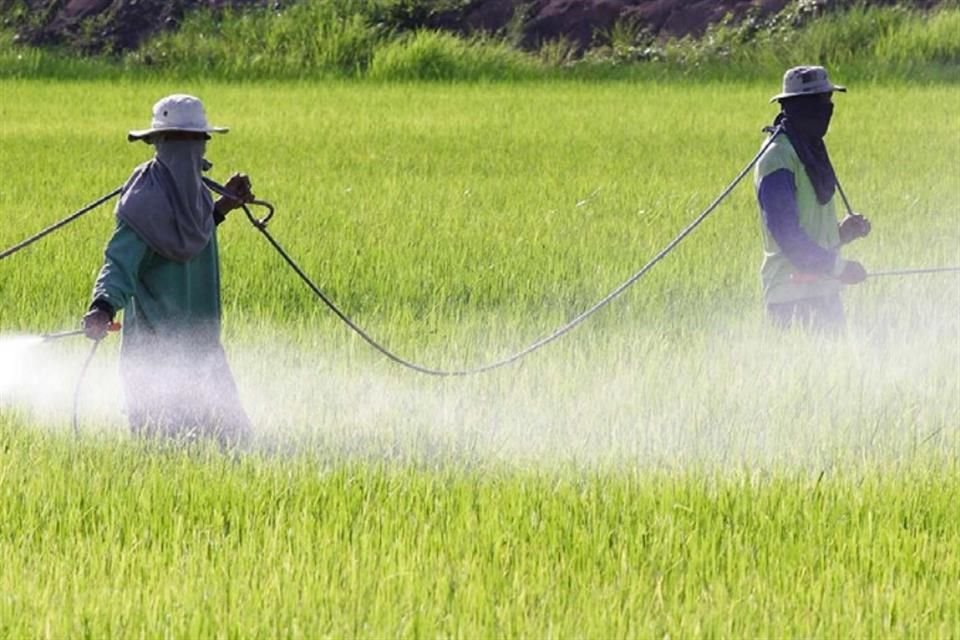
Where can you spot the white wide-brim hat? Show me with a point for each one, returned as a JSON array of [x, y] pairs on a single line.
[[806, 81], [177, 112]]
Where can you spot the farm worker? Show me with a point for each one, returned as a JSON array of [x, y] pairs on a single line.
[[802, 271], [161, 267]]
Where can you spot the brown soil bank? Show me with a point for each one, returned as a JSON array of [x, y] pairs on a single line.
[[97, 26]]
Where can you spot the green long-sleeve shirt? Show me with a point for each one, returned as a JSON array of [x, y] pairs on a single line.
[[163, 299]]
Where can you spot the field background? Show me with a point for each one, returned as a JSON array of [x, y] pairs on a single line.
[[672, 467]]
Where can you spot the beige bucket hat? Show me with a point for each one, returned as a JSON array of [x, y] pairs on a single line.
[[177, 112], [805, 81]]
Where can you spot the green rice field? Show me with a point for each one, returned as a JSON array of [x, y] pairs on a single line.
[[674, 467]]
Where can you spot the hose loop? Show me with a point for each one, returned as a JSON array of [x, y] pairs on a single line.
[[261, 226]]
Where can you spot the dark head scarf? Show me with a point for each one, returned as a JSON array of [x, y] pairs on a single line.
[[805, 120], [166, 203]]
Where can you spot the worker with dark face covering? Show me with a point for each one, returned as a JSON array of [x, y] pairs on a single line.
[[161, 267], [802, 271]]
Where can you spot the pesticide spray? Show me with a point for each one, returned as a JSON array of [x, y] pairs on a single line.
[[733, 395], [17, 352], [466, 417], [13, 352], [34, 375]]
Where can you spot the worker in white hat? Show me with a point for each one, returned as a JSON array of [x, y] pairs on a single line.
[[161, 267], [802, 271]]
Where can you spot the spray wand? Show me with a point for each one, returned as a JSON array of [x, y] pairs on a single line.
[[910, 272], [810, 277], [50, 337]]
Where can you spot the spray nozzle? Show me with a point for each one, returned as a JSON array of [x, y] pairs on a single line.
[[113, 327]]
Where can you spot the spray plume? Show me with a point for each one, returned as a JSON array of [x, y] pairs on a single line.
[[733, 397]]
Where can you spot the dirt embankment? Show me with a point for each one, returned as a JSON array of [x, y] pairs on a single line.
[[98, 26]]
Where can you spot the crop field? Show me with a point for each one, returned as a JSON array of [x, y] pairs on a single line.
[[672, 467]]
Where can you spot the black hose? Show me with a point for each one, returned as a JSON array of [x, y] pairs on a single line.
[[261, 226], [76, 391], [73, 216], [843, 196]]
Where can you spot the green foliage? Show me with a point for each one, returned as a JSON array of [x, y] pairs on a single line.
[[314, 39], [118, 540], [487, 179], [914, 42], [558, 53], [325, 39], [20, 12], [671, 468], [342, 38], [865, 42], [627, 41], [34, 62], [412, 15], [432, 55]]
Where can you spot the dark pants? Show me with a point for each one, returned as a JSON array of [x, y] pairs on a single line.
[[821, 315]]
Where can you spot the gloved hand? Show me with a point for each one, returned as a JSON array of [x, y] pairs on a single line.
[[853, 273], [852, 227], [239, 185], [96, 323]]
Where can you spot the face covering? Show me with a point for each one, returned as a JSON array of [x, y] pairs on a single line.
[[166, 203], [809, 117], [805, 120]]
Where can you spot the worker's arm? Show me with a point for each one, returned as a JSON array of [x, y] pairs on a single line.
[[777, 194], [220, 211], [117, 280]]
